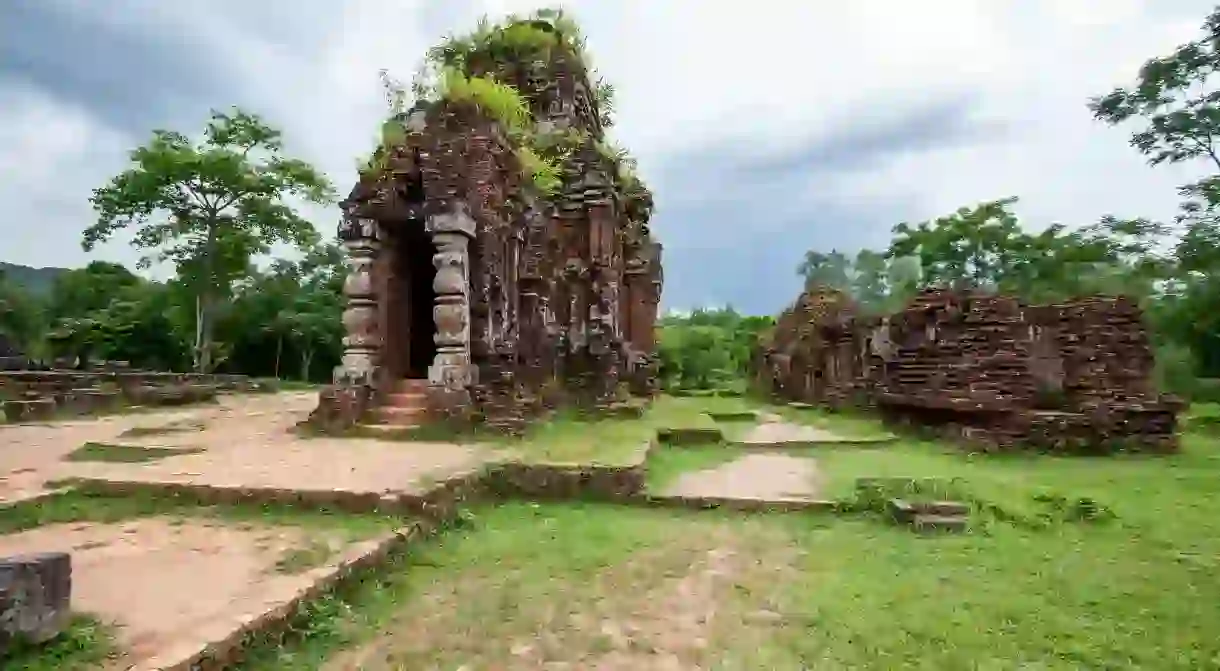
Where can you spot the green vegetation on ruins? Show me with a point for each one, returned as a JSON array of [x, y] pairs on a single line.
[[463, 69], [1070, 563]]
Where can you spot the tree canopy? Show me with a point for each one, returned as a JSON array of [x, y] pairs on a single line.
[[210, 207]]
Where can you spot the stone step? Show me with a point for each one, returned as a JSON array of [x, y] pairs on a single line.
[[397, 416], [939, 523], [905, 511], [390, 430], [411, 385], [406, 399]]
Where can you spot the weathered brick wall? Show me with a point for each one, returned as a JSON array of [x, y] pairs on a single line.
[[1073, 377], [813, 353], [563, 287]]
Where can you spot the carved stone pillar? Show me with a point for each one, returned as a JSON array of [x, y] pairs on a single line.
[[362, 342], [452, 232]]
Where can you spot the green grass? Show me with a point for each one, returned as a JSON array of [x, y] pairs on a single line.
[[313, 554], [86, 644], [83, 505], [523, 586], [849, 424], [124, 454], [177, 426], [666, 464], [584, 583], [736, 430], [573, 438]]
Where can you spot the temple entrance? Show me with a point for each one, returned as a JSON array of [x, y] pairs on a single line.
[[412, 334]]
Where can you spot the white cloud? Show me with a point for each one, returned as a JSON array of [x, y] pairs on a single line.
[[52, 155], [755, 78]]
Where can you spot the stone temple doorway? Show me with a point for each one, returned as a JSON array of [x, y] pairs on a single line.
[[411, 328]]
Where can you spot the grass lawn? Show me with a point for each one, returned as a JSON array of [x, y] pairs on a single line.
[[124, 454], [606, 587], [590, 586], [571, 438], [847, 424], [581, 586]]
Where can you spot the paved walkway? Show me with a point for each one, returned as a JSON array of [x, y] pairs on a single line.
[[243, 442], [787, 433], [758, 477]]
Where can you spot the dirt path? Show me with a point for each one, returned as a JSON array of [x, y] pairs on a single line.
[[760, 476], [244, 441]]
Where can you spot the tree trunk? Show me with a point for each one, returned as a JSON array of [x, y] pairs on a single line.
[[207, 298], [279, 348], [306, 360], [197, 346]]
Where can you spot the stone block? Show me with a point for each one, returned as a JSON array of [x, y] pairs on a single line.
[[690, 436], [35, 597], [89, 401], [29, 410], [939, 524], [169, 394]]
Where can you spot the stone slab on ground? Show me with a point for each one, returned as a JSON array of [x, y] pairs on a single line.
[[323, 465], [759, 477], [785, 434], [177, 587]]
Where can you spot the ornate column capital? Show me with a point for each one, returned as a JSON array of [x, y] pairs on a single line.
[[457, 220]]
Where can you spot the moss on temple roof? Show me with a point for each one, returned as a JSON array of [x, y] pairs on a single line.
[[456, 71]]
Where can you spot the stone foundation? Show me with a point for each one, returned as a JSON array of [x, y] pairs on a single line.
[[340, 407], [42, 395]]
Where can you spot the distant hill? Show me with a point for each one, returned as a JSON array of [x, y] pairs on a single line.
[[35, 280]]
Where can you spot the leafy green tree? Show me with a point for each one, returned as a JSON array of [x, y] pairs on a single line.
[[975, 246], [1177, 106], [94, 287], [208, 207], [869, 287], [829, 270], [21, 316]]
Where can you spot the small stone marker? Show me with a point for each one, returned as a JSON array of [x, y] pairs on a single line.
[[35, 597]]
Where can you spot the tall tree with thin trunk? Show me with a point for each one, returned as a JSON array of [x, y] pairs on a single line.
[[1177, 102], [210, 206]]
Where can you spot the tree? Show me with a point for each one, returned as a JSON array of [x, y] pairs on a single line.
[[975, 246], [829, 270], [1177, 104], [91, 288], [209, 207], [21, 316], [869, 287]]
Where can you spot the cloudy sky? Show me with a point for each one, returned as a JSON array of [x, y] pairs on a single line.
[[765, 128]]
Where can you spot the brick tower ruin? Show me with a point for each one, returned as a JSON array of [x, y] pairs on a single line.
[[499, 251]]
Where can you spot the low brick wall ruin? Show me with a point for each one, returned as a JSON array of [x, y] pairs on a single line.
[[40, 395], [1070, 378]]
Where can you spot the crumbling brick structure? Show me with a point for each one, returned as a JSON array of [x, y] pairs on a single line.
[[816, 352], [475, 294], [1073, 377]]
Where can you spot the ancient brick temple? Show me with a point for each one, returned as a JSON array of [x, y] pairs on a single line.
[[472, 293], [1072, 377]]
